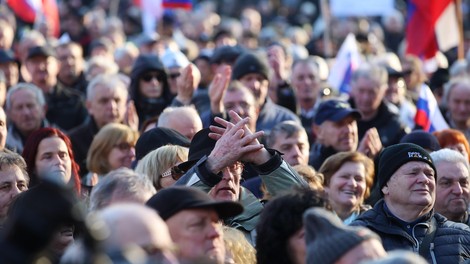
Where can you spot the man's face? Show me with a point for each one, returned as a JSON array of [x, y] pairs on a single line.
[[341, 135], [71, 61], [459, 103], [306, 82], [43, 71], [228, 189], [295, 148], [12, 182], [10, 69], [396, 90], [198, 234], [243, 104], [368, 250], [413, 184], [452, 190], [367, 95], [258, 84], [25, 112], [108, 105]]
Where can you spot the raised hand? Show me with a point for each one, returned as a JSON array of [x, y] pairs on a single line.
[[218, 88], [186, 84], [370, 144]]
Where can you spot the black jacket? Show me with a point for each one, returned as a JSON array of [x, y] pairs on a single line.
[[451, 242], [81, 138], [65, 108]]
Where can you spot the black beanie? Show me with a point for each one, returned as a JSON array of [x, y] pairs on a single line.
[[393, 157], [250, 63]]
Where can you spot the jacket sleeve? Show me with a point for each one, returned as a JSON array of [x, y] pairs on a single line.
[[199, 176], [278, 175]]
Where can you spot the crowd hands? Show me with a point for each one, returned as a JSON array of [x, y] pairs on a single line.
[[126, 147]]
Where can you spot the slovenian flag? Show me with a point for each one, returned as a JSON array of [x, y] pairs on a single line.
[[428, 116], [431, 26], [347, 60], [30, 10]]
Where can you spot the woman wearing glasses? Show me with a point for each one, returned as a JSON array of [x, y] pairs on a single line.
[[149, 87], [161, 167]]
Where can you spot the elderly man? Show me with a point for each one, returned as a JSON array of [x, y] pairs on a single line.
[[368, 87], [26, 109], [335, 127], [452, 185], [106, 103], [13, 180], [404, 218], [193, 219], [183, 119], [457, 100]]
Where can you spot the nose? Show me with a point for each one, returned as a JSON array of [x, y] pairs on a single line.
[[14, 191], [423, 178], [227, 175], [214, 230], [352, 182], [132, 151], [457, 189]]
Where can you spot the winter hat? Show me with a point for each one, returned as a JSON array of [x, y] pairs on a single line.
[[250, 63], [158, 137], [423, 139], [328, 239], [393, 157]]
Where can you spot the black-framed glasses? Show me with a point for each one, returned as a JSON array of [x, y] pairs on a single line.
[[149, 77], [175, 172]]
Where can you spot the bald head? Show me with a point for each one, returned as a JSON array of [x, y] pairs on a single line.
[[183, 119]]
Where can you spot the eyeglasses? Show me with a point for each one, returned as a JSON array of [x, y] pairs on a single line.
[[149, 77], [123, 146], [174, 75], [175, 172]]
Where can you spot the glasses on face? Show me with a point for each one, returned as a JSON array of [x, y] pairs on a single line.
[[149, 77], [174, 75], [175, 172], [124, 146]]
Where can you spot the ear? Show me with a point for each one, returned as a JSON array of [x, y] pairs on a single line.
[[316, 129], [385, 190]]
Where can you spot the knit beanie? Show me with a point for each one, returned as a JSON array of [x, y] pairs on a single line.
[[423, 139], [250, 63], [393, 157], [328, 239]]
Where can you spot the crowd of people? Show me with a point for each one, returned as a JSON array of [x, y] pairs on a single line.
[[216, 138]]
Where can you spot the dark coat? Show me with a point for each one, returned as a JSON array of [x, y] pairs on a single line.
[[81, 138]]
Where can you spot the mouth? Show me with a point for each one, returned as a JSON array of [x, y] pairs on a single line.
[[350, 193], [226, 189]]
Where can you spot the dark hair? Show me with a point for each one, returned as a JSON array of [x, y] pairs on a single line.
[[31, 150], [280, 219]]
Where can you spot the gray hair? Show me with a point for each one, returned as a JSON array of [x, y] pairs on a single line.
[[123, 183], [373, 72], [448, 155], [112, 81], [9, 158], [288, 127], [449, 86], [25, 86]]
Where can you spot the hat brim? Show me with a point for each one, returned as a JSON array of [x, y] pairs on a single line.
[[223, 208], [340, 115]]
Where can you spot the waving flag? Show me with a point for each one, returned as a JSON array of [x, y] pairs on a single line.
[[428, 116], [346, 62], [432, 26], [185, 4], [31, 10]]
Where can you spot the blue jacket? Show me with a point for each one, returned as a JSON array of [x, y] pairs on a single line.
[[451, 242]]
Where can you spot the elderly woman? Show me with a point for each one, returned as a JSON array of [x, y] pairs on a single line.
[[453, 139], [348, 178], [48, 152], [160, 165], [112, 148]]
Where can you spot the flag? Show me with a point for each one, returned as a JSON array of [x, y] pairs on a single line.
[[185, 4], [346, 62], [428, 116], [431, 26], [31, 10]]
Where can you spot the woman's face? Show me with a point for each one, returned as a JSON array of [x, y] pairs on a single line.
[[296, 247], [347, 186], [53, 158], [121, 155], [150, 84]]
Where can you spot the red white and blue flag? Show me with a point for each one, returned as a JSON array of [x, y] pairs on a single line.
[[30, 10], [428, 116], [431, 26], [347, 60], [185, 4]]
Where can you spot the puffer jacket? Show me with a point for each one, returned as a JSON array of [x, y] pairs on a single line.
[[451, 242]]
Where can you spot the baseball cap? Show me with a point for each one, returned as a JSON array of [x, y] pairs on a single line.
[[335, 110]]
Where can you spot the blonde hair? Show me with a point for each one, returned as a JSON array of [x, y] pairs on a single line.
[[158, 161], [238, 246], [103, 143], [312, 177]]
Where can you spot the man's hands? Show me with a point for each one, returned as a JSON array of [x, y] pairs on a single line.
[[187, 83], [370, 144]]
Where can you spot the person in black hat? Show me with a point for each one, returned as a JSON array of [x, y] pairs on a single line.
[[404, 217], [216, 166], [9, 66], [65, 106], [335, 128], [193, 219]]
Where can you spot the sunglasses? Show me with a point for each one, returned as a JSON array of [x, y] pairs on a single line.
[[150, 77], [175, 172]]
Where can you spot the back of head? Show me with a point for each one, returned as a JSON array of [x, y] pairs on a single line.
[[250, 63], [423, 139]]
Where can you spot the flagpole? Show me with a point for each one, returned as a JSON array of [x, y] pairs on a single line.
[[458, 11], [327, 48]]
